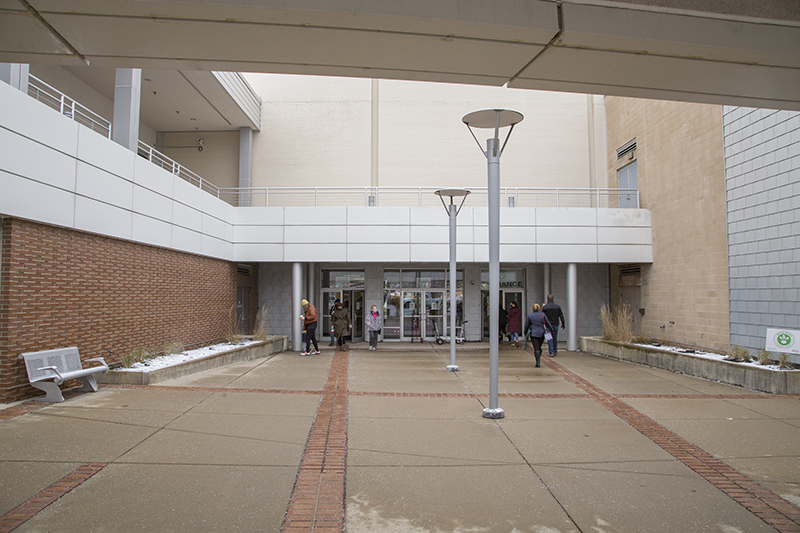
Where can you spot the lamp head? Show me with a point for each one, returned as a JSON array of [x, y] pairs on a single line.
[[494, 119]]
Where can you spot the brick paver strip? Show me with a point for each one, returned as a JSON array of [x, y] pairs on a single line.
[[762, 502], [23, 512], [317, 502]]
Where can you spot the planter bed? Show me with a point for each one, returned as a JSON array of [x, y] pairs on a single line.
[[237, 354], [743, 375]]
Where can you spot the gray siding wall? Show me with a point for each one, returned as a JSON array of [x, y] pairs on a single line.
[[762, 169]]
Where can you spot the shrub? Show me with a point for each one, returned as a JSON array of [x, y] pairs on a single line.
[[641, 339], [739, 354], [174, 347], [617, 323], [782, 363], [138, 355], [262, 331], [763, 357]]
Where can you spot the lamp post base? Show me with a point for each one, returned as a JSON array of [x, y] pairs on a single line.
[[452, 368], [494, 413]]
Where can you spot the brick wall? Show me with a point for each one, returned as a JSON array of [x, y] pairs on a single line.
[[60, 287]]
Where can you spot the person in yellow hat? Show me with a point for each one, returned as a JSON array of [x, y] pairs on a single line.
[[309, 319]]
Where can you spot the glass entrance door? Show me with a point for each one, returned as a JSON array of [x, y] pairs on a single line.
[[353, 300], [423, 314], [506, 297]]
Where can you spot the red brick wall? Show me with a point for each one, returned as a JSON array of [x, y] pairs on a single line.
[[60, 287]]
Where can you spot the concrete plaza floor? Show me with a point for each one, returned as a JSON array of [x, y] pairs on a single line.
[[587, 444]]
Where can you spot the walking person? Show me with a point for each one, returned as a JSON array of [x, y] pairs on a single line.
[[538, 325], [333, 308], [553, 313], [374, 322], [514, 323], [309, 319], [502, 322], [341, 323]]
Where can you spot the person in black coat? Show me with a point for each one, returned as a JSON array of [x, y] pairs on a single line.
[[553, 313]]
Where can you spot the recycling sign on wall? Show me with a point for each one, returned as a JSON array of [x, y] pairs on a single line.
[[783, 340]]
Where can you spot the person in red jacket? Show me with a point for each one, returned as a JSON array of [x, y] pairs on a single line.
[[514, 323], [309, 319]]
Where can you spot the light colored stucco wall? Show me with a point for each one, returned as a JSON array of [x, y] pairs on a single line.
[[218, 162], [319, 132], [682, 182]]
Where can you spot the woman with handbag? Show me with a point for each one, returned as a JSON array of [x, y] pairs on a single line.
[[539, 328]]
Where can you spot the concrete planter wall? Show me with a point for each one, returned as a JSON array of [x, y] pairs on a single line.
[[236, 355], [747, 376]]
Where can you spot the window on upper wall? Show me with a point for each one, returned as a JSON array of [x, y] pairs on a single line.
[[628, 183]]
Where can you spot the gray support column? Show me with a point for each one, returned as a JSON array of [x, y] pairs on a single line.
[[246, 166], [312, 285], [127, 102], [297, 309], [453, 211], [16, 75], [546, 281], [493, 171], [572, 307]]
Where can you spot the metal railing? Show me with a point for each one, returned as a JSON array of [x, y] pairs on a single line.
[[424, 197], [68, 107], [173, 167]]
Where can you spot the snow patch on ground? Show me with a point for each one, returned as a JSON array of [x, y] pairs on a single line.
[[165, 361], [713, 356]]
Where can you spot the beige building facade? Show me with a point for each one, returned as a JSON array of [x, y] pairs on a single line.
[[676, 151]]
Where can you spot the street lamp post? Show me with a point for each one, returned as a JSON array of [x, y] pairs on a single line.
[[452, 212], [493, 119]]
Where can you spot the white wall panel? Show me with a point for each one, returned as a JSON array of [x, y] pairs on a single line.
[[433, 253], [315, 252], [95, 183], [258, 234], [519, 216], [318, 216], [517, 235], [566, 216], [378, 234], [432, 235], [553, 253], [51, 205], [624, 217], [188, 194], [624, 235], [378, 253], [258, 216], [102, 218], [151, 231], [152, 204], [153, 177], [213, 227], [187, 217], [98, 151], [518, 253], [568, 235], [624, 253], [315, 234], [217, 208], [187, 240], [214, 247], [383, 216], [247, 252], [20, 155], [32, 119]]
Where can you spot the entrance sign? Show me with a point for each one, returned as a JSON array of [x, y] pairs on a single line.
[[783, 340]]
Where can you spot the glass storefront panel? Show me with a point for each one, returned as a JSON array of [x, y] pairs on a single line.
[[415, 303], [342, 279]]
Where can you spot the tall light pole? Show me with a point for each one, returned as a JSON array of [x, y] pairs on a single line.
[[493, 119], [452, 212]]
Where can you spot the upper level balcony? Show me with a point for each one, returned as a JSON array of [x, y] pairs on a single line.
[[55, 170]]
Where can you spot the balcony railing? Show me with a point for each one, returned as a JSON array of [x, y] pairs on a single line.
[[176, 169], [423, 196], [68, 107]]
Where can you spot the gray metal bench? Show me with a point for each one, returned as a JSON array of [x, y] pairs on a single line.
[[50, 368]]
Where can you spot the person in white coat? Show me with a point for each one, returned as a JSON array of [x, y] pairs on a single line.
[[374, 322]]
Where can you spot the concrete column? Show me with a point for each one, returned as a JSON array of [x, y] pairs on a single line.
[[297, 309], [572, 307], [127, 103], [546, 281], [246, 166], [312, 282], [16, 75]]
